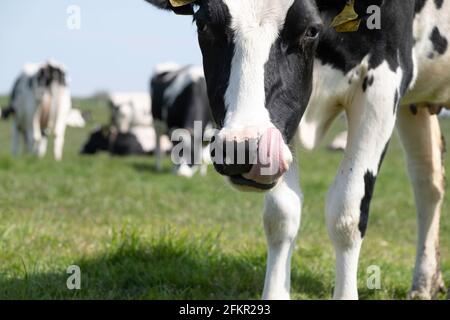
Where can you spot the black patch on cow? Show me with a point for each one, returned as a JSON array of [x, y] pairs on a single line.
[[215, 38], [396, 101], [438, 3], [414, 109], [189, 106], [98, 141], [368, 81], [288, 72], [419, 4], [10, 109], [440, 43], [369, 186], [126, 144], [107, 139], [7, 112]]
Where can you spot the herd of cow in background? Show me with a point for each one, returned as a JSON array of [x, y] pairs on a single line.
[[40, 106], [140, 123]]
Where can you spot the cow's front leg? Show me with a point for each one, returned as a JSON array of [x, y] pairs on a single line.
[[15, 143], [281, 222], [42, 147], [371, 112], [58, 146], [422, 141]]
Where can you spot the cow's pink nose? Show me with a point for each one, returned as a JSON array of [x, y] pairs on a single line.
[[273, 158]]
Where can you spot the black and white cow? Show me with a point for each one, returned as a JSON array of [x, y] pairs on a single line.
[[179, 100], [130, 131], [109, 139], [40, 102], [271, 64]]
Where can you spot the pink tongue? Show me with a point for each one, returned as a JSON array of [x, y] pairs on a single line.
[[270, 165]]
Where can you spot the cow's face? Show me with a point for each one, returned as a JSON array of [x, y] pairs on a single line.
[[122, 115], [258, 59]]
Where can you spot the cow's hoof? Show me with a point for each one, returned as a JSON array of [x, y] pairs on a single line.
[[438, 286]]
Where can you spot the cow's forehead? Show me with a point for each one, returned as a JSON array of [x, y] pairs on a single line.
[[249, 15]]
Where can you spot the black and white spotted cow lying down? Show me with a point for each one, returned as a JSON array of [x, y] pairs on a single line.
[[270, 65], [130, 131]]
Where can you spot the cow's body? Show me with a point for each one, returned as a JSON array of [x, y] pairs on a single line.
[[40, 102], [179, 100], [136, 141], [269, 64], [423, 75]]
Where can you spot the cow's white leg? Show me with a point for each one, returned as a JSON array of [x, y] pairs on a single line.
[[15, 142], [59, 143], [422, 141], [371, 117], [60, 131], [62, 108], [32, 135], [281, 222], [36, 134], [42, 147]]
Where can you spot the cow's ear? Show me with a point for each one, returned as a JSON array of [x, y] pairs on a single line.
[[181, 7]]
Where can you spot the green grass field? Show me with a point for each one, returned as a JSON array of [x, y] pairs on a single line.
[[138, 234]]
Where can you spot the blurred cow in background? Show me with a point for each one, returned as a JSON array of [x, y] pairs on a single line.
[[179, 101], [130, 131], [40, 103]]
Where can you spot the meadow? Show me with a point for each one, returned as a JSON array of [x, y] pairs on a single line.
[[139, 234]]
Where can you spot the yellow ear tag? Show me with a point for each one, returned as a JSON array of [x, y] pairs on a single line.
[[347, 20], [180, 3]]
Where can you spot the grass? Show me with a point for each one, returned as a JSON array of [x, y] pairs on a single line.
[[138, 234]]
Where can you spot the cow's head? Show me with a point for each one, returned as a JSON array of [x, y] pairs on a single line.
[[122, 113], [49, 76], [258, 59]]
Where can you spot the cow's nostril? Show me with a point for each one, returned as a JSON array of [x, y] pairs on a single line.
[[233, 158]]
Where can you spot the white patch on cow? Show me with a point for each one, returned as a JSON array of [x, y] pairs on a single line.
[[131, 109], [256, 24], [185, 78]]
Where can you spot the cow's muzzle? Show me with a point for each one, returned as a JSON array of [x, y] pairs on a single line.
[[251, 160]]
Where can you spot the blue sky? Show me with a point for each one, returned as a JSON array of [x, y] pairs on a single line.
[[116, 48]]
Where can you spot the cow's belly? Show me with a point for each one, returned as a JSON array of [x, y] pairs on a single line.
[[431, 55], [433, 82]]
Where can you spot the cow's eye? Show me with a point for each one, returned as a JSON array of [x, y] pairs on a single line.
[[312, 32]]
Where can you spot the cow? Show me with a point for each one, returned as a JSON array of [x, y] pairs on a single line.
[[279, 72], [40, 103], [179, 101], [130, 130]]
